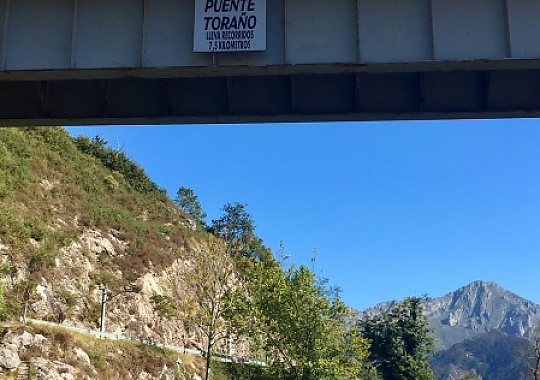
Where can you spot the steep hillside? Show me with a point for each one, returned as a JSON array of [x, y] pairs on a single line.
[[75, 215]]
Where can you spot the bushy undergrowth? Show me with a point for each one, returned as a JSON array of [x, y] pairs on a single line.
[[117, 162], [240, 371]]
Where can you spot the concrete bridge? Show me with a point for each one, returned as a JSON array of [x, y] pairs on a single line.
[[134, 61]]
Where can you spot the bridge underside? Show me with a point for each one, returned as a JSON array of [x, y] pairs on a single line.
[[273, 98], [132, 61]]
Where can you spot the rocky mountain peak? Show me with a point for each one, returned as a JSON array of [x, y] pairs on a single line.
[[473, 309], [471, 302], [484, 306], [480, 291]]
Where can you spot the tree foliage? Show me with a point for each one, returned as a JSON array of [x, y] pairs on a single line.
[[203, 296], [302, 325], [400, 342], [236, 227], [187, 201], [3, 306]]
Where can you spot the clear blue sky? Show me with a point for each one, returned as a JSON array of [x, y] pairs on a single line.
[[394, 209]]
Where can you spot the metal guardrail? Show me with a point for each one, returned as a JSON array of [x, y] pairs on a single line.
[[149, 342], [113, 336]]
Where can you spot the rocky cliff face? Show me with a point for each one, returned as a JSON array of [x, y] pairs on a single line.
[[474, 309], [70, 289]]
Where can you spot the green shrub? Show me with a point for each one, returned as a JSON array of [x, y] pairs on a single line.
[[3, 307], [117, 161]]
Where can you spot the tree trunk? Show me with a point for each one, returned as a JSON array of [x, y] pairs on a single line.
[[207, 373]]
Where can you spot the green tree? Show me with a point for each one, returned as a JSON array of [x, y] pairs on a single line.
[[400, 342], [238, 229], [303, 325], [203, 290], [187, 201], [3, 306]]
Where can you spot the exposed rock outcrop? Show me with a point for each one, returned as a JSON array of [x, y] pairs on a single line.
[[62, 358]]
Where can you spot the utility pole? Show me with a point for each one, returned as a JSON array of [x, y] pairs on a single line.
[[26, 297], [105, 297], [104, 291], [25, 309]]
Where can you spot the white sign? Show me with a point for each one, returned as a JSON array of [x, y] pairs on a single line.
[[229, 25]]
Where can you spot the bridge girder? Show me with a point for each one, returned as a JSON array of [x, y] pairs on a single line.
[[132, 61]]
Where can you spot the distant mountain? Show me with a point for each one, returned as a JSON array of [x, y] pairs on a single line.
[[494, 356], [478, 308], [480, 326], [475, 309]]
